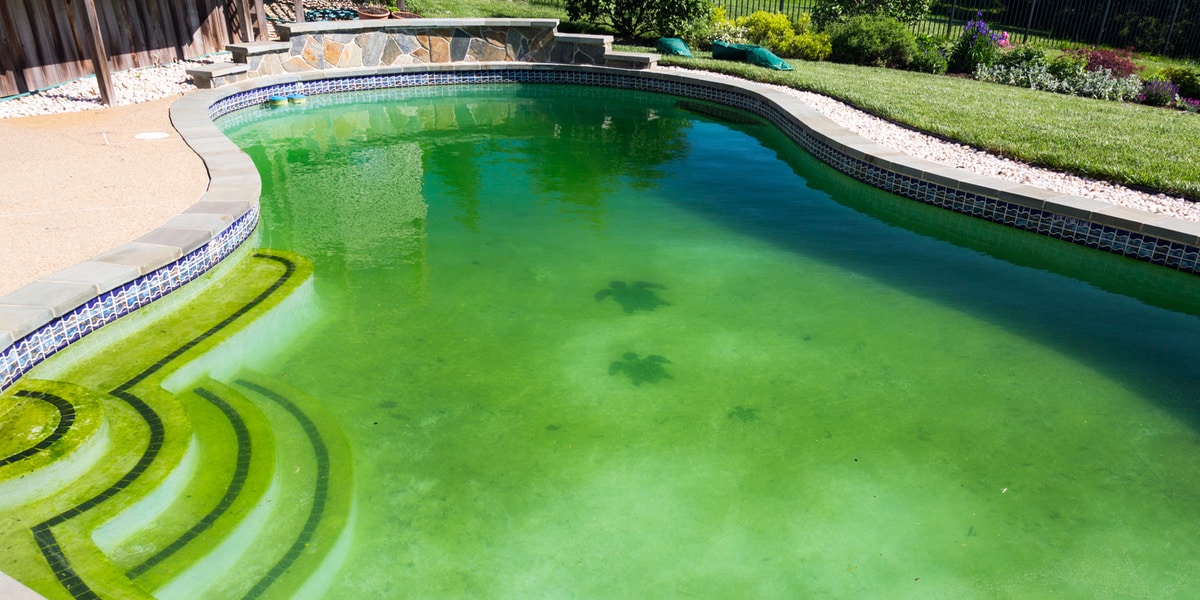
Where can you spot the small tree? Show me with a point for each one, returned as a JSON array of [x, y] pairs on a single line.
[[639, 18], [828, 12]]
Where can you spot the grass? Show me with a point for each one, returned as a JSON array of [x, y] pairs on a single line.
[[495, 9], [1125, 143], [1130, 144]]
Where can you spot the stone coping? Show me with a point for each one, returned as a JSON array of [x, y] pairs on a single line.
[[287, 29], [38, 320]]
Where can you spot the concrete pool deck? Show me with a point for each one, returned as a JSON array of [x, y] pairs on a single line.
[[75, 185]]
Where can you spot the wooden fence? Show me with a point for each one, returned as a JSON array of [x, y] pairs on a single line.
[[47, 42]]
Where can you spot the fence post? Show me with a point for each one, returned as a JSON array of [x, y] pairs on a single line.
[[950, 22], [1171, 29], [1029, 23], [99, 55], [247, 25], [299, 11], [1104, 22], [261, 16]]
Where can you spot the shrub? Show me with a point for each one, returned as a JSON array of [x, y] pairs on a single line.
[[1189, 105], [1020, 56], [767, 29], [1120, 62], [1068, 66], [828, 12], [1103, 85], [1080, 82], [1158, 93], [640, 18], [808, 43], [976, 46], [785, 38], [930, 55], [717, 26], [872, 40], [1187, 80]]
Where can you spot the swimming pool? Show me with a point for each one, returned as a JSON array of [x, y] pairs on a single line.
[[682, 366]]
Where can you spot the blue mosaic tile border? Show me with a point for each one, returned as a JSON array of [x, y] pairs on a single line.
[[1140, 246], [32, 349]]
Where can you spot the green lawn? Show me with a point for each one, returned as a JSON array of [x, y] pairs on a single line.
[[1126, 143], [510, 9]]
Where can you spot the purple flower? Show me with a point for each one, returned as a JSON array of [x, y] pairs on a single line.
[[1158, 93]]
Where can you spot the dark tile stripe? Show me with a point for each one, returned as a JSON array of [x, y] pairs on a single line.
[[320, 492], [231, 493], [66, 418], [62, 569], [50, 550]]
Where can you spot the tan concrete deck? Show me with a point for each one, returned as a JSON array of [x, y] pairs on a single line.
[[75, 185]]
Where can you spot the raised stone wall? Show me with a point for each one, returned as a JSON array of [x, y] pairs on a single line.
[[353, 44]]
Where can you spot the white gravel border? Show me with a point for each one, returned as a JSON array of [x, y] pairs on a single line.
[[152, 83], [130, 87]]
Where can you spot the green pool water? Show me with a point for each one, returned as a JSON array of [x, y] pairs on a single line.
[[843, 406], [592, 344]]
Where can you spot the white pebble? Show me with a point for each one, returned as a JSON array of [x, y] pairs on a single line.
[[129, 87]]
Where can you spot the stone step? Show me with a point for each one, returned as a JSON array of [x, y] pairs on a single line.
[[631, 60], [217, 74], [242, 52]]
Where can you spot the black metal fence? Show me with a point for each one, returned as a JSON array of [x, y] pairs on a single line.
[[1166, 27]]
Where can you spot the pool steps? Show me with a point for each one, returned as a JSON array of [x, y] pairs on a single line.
[[79, 450], [229, 496]]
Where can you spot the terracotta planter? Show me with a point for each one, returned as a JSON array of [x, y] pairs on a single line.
[[369, 13], [402, 14]]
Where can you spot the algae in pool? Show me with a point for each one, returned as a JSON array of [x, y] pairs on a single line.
[[585, 343]]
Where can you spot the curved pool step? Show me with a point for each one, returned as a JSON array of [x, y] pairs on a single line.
[[67, 435], [144, 511], [293, 540], [97, 468], [220, 480]]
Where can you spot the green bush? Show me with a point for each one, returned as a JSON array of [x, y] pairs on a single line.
[[828, 12], [872, 40], [1020, 56], [640, 18], [930, 55], [717, 26], [1187, 80], [808, 43], [797, 39], [767, 29], [1068, 66]]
